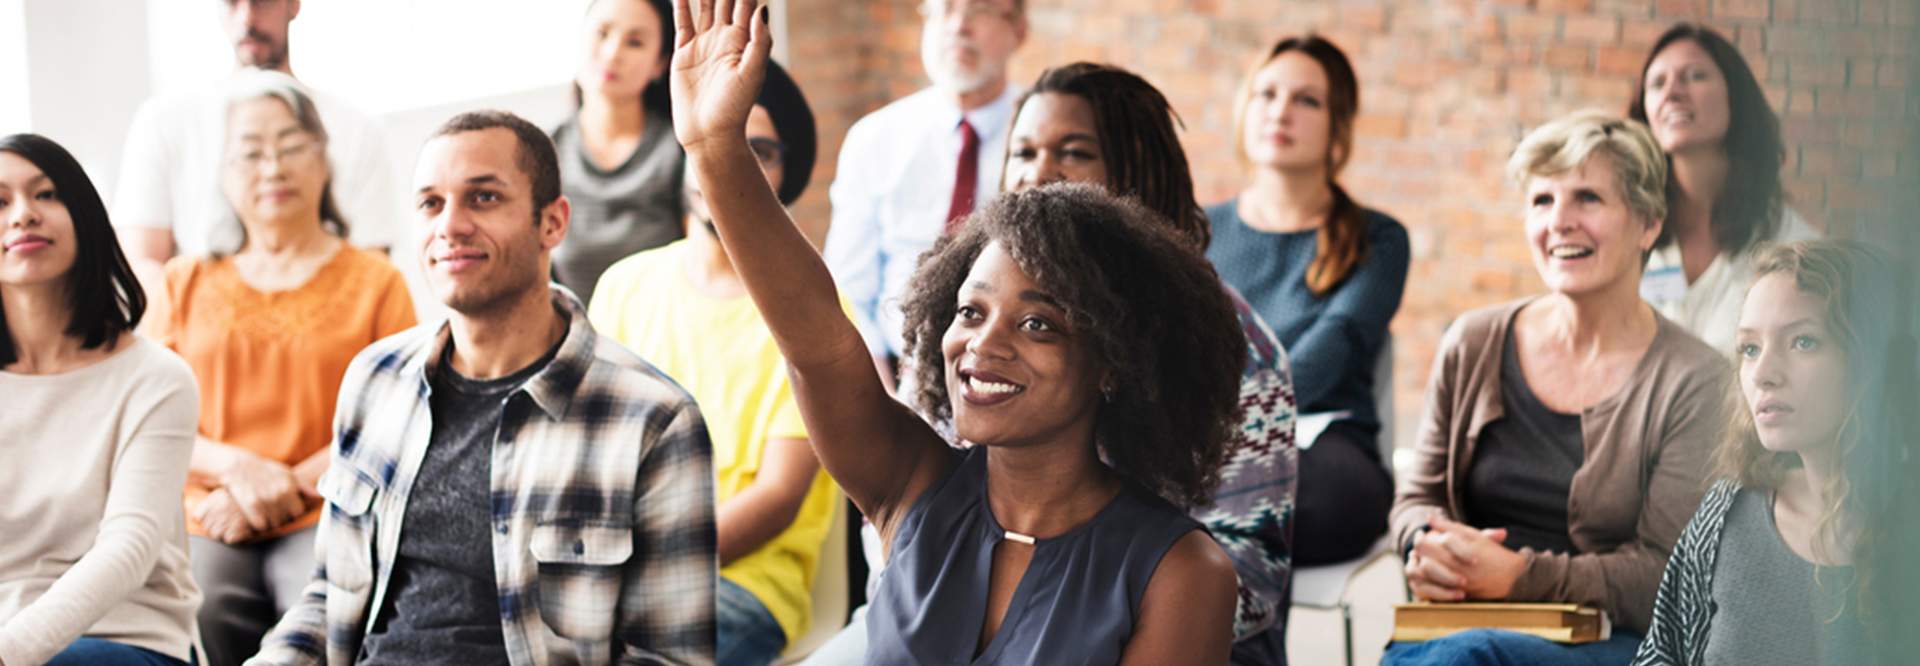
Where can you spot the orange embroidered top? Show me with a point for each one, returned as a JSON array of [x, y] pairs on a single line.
[[270, 363]]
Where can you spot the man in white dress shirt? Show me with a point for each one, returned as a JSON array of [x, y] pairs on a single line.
[[169, 200], [910, 168]]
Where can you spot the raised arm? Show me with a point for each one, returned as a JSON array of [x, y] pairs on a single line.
[[877, 449]]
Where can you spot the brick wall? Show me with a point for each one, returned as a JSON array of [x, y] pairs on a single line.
[[1447, 88]]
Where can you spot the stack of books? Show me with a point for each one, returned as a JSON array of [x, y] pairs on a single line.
[[1565, 623]]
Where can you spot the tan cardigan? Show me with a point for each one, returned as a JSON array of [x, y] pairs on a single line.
[[1647, 451]]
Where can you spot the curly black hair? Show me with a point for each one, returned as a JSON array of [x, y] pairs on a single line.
[[1141, 300]]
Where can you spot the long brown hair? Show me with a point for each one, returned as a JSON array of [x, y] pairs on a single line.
[[1749, 207], [1342, 242], [1864, 507]]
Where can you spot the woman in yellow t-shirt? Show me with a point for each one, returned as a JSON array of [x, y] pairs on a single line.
[[269, 330], [682, 307]]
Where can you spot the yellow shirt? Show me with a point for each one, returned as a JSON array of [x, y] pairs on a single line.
[[722, 353]]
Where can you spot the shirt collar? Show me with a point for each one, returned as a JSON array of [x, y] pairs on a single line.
[[553, 387], [988, 121]]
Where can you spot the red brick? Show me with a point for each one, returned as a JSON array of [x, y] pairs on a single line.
[[1681, 8], [1564, 5], [1741, 9], [1892, 74], [1596, 29], [1567, 57], [1796, 40], [1621, 61], [1380, 125], [1532, 26], [1643, 34], [1879, 165]]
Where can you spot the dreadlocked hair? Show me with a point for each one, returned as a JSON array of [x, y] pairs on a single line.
[[1138, 137]]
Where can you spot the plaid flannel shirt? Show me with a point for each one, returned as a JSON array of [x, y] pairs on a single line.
[[603, 542]]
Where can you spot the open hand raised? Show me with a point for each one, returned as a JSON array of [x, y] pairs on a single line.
[[719, 60]]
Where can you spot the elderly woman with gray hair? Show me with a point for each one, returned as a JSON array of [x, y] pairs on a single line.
[[268, 324], [1565, 435]]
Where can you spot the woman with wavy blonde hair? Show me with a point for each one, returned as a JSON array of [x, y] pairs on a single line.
[[1788, 557]]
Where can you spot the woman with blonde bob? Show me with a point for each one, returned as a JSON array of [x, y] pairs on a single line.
[[1787, 560], [1565, 434]]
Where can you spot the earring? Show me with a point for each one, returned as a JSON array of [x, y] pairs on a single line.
[[1107, 390]]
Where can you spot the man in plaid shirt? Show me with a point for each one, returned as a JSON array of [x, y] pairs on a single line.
[[508, 487]]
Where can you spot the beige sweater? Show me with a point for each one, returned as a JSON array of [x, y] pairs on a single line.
[[1647, 450], [93, 539]]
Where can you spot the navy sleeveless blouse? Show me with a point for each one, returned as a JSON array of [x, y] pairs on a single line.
[[1076, 603]]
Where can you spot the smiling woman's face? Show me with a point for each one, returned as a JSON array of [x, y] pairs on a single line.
[[1583, 235], [37, 241], [1016, 373], [1686, 98]]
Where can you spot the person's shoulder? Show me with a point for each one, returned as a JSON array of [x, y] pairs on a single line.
[[618, 372], [1686, 353], [387, 355], [1381, 225], [166, 369], [1224, 213], [638, 272], [906, 111], [1483, 322], [1794, 227]]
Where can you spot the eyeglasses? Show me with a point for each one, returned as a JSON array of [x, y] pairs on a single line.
[[297, 155], [770, 152], [971, 12]]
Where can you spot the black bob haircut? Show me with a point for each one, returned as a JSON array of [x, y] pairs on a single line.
[[1139, 298], [104, 297], [793, 119]]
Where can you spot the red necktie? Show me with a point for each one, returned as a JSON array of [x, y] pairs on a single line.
[[966, 177]]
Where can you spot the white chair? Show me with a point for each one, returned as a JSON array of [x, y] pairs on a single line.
[[1324, 587], [829, 589]]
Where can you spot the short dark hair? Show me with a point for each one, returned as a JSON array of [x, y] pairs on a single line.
[[535, 156], [1145, 305], [1749, 206], [1137, 135], [103, 295], [793, 119]]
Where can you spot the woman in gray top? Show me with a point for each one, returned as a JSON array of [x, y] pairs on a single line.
[[1790, 553], [619, 161]]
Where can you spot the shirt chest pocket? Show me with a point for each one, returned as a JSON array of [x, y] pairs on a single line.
[[348, 529], [582, 566]]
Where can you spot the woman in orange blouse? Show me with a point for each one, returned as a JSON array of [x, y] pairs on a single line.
[[269, 330]]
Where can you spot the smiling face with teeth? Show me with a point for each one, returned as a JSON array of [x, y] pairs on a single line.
[[1686, 98], [1584, 236], [1793, 369], [1016, 373]]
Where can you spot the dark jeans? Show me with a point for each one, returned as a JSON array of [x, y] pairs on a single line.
[[99, 652], [747, 635], [1493, 647], [1341, 501]]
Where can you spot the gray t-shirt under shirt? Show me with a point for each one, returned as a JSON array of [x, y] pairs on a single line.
[[1767, 608], [443, 606], [631, 208]]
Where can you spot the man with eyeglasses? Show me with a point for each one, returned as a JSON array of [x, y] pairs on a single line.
[[911, 170], [168, 199]]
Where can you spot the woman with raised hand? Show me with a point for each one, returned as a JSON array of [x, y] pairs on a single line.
[[1789, 557], [1105, 126], [269, 329], [619, 162], [1326, 273], [1059, 327], [1566, 435], [98, 426], [1724, 201]]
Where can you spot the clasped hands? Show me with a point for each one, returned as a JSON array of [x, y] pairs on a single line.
[[255, 496], [1452, 561]]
